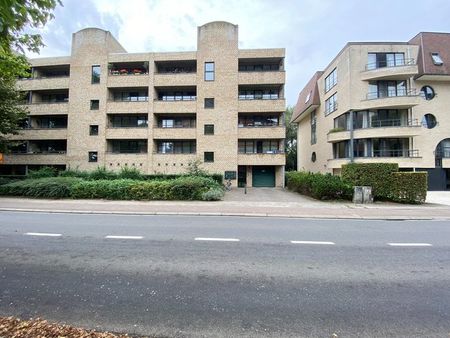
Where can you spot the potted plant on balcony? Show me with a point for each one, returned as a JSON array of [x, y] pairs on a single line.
[[123, 71]]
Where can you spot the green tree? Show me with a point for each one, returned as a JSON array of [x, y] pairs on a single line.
[[15, 17], [291, 140]]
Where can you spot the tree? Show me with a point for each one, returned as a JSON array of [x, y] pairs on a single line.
[[291, 140], [15, 16]]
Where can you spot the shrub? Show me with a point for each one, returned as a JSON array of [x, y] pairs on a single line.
[[74, 173], [49, 187], [101, 173], [409, 187], [376, 175], [214, 194], [104, 189], [319, 186], [151, 190], [191, 187], [43, 172], [130, 173], [6, 180]]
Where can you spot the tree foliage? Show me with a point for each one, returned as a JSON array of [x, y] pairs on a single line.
[[15, 17], [291, 140]]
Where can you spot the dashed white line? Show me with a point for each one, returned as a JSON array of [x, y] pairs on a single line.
[[313, 242], [42, 234], [124, 237], [217, 239], [410, 244]]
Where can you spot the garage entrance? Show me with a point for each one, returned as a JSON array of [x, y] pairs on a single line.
[[263, 176]]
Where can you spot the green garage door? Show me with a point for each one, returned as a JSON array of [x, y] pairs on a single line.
[[263, 176]]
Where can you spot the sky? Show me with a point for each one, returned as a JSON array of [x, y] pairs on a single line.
[[312, 31]]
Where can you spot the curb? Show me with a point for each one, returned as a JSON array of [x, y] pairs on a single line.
[[167, 213]]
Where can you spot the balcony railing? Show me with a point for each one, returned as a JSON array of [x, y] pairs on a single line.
[[396, 153], [393, 123], [131, 99], [390, 63], [276, 151], [173, 98], [392, 93], [259, 97], [39, 152]]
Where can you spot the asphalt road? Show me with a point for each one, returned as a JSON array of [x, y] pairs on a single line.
[[228, 276]]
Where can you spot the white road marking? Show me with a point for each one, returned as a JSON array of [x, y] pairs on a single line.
[[313, 242], [124, 237], [217, 239], [42, 234], [410, 244]]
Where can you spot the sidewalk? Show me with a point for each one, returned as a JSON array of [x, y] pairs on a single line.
[[255, 203]]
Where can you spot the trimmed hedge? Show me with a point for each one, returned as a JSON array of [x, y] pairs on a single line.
[[317, 185], [409, 187], [103, 189], [49, 187], [376, 175]]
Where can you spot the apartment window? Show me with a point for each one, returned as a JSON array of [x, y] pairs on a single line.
[[209, 71], [93, 130], [95, 104], [93, 156], [208, 156], [95, 75], [209, 103], [427, 93], [176, 147], [331, 104], [313, 128], [437, 60], [380, 60], [382, 89], [209, 129], [331, 80], [259, 147]]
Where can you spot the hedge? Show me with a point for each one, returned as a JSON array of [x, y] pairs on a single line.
[[376, 175], [49, 187], [319, 186], [409, 187], [103, 189]]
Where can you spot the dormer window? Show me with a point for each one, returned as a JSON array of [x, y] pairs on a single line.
[[308, 97], [437, 59]]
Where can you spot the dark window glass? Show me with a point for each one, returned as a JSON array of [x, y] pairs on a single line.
[[313, 128], [209, 103], [427, 93], [93, 156], [429, 121], [209, 156], [313, 156], [95, 78], [209, 129], [209, 71], [93, 130], [95, 104]]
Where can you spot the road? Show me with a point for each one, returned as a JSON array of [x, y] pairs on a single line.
[[192, 276]]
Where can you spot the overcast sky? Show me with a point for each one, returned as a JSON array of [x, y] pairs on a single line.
[[312, 31]]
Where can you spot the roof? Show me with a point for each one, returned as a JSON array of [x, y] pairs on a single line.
[[308, 99]]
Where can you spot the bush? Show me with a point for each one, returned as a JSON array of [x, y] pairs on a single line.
[[103, 189], [101, 173], [6, 180], [151, 190], [376, 175], [130, 173], [409, 187], [43, 172], [214, 194], [74, 173], [49, 187], [317, 185]]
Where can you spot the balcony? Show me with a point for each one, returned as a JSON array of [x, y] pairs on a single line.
[[261, 77], [127, 132], [174, 133], [58, 158], [57, 82], [128, 99], [337, 134], [264, 132], [274, 158], [403, 161], [388, 71], [40, 134], [264, 105], [402, 99], [127, 146]]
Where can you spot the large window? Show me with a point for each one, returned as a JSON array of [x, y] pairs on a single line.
[[177, 122], [131, 96], [95, 77], [380, 89], [313, 128], [186, 95], [129, 121], [380, 60], [209, 71], [258, 121], [129, 146], [331, 104], [331, 80], [258, 94], [259, 147], [176, 147]]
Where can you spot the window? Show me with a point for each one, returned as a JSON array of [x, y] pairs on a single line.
[[93, 130], [259, 94], [437, 60], [380, 60], [382, 89], [93, 156], [313, 128], [429, 121], [308, 97], [331, 104], [95, 77], [209, 129], [331, 80], [259, 147], [95, 104], [209, 71], [427, 93], [208, 156], [209, 103], [176, 147], [313, 156]]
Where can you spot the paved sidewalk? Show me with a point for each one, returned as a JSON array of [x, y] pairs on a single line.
[[257, 202]]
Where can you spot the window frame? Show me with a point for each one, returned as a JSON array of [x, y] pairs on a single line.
[[208, 157], [331, 80], [209, 72], [92, 131], [95, 78], [208, 129], [91, 155], [331, 108], [95, 105], [211, 103]]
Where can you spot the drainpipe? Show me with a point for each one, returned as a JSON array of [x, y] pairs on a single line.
[[351, 137]]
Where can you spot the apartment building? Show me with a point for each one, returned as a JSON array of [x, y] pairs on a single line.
[[157, 112], [380, 102]]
